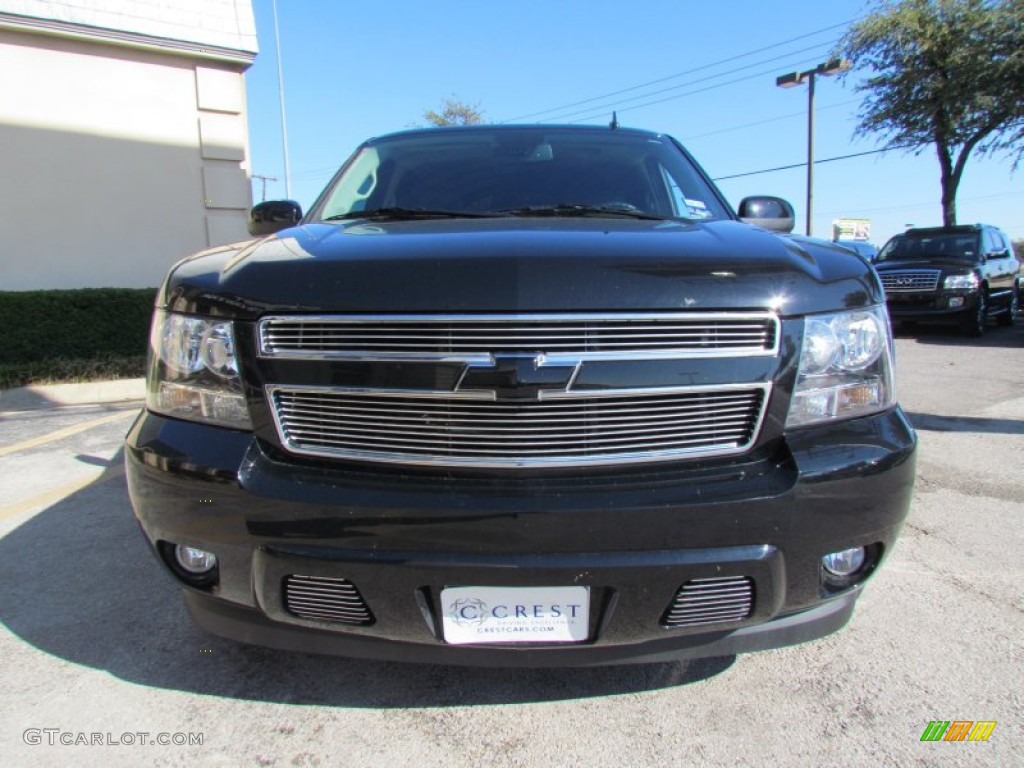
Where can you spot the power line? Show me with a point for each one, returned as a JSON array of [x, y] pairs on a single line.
[[776, 119], [615, 104], [312, 173], [912, 206], [804, 164], [678, 74], [754, 76], [833, 159], [323, 171]]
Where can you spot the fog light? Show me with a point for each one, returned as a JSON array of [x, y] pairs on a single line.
[[844, 563], [956, 302], [197, 561]]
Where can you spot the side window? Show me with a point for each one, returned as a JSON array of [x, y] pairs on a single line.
[[1000, 242], [994, 245]]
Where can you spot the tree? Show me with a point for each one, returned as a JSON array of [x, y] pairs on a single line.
[[948, 73], [1018, 249], [454, 112]]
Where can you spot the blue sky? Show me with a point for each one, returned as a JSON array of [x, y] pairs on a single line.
[[702, 72]]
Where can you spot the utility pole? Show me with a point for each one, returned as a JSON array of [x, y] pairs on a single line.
[[264, 180]]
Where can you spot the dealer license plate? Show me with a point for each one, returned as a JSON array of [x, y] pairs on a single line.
[[515, 614]]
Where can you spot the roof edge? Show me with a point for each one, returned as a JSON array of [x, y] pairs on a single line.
[[54, 28]]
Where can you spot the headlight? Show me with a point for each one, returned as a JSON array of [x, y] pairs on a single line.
[[968, 282], [845, 367], [193, 372]]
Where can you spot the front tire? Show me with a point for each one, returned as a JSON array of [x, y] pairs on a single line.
[[974, 324]]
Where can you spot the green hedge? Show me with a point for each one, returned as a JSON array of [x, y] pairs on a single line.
[[74, 334]]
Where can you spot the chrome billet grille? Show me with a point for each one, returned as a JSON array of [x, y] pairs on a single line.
[[319, 598], [711, 601], [600, 427], [466, 337], [910, 280]]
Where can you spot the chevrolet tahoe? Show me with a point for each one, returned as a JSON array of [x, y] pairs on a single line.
[[521, 396]]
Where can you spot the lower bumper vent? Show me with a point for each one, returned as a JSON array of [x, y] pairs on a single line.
[[318, 598], [711, 601]]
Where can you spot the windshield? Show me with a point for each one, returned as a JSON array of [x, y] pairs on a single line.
[[940, 246], [524, 172]]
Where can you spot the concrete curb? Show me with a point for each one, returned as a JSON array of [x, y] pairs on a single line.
[[39, 396]]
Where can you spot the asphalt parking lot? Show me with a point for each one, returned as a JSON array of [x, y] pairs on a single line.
[[97, 646]]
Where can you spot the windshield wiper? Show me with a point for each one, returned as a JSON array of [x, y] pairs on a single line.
[[575, 209], [408, 213]]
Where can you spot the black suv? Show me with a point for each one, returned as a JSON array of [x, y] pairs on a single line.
[[964, 274], [521, 395]]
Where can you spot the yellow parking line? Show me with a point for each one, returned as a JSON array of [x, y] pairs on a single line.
[[60, 434], [57, 494]]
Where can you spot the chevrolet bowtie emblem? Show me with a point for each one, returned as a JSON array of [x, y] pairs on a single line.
[[514, 377]]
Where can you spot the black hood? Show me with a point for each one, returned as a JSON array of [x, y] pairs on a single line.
[[520, 265]]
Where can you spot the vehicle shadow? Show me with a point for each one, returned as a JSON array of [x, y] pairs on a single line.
[[935, 423], [948, 335], [80, 584], [931, 422]]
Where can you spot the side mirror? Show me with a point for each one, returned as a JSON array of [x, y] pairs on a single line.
[[272, 216], [771, 213]]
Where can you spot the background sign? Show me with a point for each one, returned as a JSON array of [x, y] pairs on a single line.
[[851, 229]]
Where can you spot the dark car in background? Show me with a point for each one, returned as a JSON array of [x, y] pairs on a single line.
[[964, 274], [521, 395]]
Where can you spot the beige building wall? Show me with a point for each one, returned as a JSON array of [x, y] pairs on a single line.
[[118, 155]]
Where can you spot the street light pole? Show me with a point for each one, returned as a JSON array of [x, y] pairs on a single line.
[[827, 68], [284, 121], [810, 152]]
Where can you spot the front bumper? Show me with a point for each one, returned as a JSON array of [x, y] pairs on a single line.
[[946, 306], [633, 537], [249, 625]]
